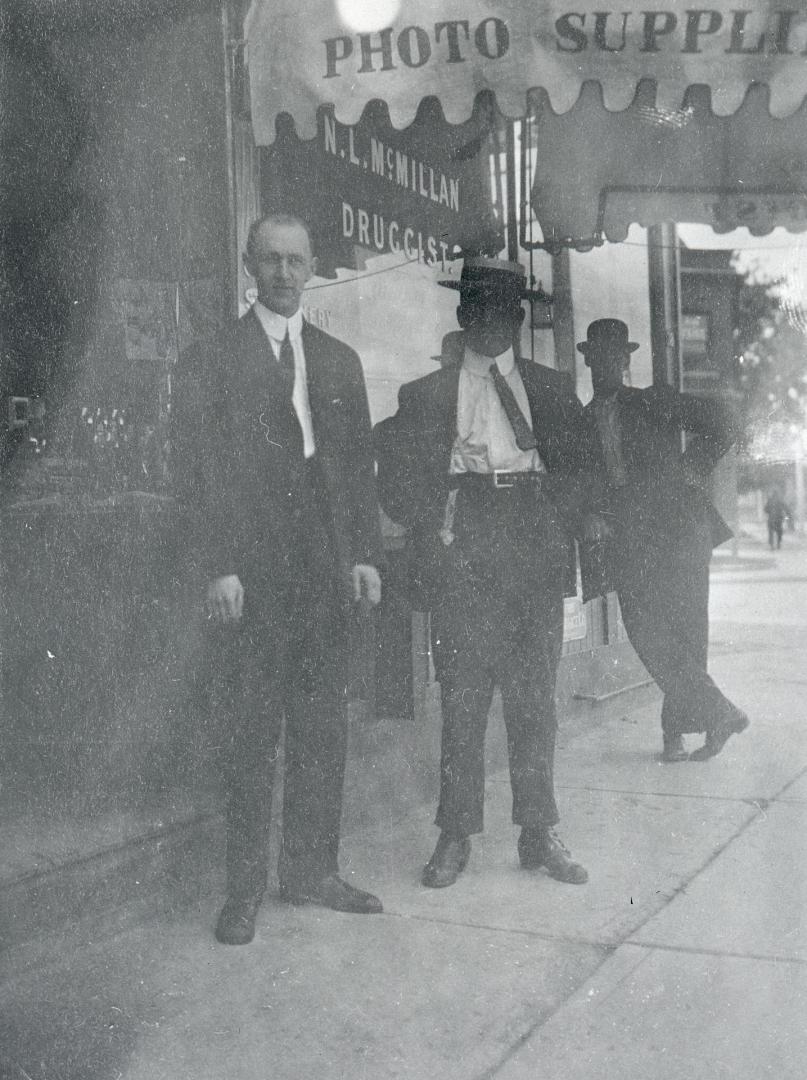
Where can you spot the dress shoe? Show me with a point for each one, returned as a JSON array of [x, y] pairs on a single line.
[[542, 848], [448, 861], [717, 738], [673, 749], [332, 892], [236, 925]]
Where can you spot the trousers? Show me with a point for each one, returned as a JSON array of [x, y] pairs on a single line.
[[498, 621], [664, 598], [286, 660]]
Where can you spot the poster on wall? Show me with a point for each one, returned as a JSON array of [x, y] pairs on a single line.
[[575, 626]]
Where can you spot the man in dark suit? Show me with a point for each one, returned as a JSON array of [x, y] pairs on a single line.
[[663, 526], [481, 463], [274, 453]]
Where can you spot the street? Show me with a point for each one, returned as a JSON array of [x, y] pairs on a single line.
[[684, 958]]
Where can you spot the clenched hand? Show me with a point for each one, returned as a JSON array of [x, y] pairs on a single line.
[[366, 583], [225, 599]]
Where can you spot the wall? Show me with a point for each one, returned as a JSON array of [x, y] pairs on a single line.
[[100, 632], [152, 168]]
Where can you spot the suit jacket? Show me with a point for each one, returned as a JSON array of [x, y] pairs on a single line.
[[238, 453], [413, 450], [666, 503]]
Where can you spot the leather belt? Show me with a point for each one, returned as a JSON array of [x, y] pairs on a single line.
[[499, 479]]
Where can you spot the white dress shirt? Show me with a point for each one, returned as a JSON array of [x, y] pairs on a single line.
[[485, 439], [276, 327]]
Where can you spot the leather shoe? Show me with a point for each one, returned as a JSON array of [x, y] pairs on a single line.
[[448, 861], [673, 749], [236, 925], [542, 848], [717, 738], [332, 892]]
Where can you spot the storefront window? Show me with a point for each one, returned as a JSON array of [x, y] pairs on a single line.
[[698, 372]]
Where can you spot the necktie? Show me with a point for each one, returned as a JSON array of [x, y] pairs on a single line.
[[608, 426], [285, 361], [525, 440]]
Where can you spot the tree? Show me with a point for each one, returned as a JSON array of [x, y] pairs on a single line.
[[771, 350]]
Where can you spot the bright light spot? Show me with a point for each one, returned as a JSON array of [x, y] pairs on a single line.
[[364, 16]]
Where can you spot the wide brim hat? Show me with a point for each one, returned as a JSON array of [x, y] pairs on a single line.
[[451, 347], [491, 275], [607, 334]]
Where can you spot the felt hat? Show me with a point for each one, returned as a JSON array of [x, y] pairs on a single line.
[[451, 347], [607, 334]]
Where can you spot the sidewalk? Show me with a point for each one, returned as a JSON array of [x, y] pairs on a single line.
[[684, 957]]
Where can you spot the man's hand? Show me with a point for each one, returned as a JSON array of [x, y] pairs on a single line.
[[366, 583], [225, 599], [596, 529]]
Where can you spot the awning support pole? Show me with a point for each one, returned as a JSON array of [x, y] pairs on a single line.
[[227, 19], [665, 303], [563, 313], [512, 206]]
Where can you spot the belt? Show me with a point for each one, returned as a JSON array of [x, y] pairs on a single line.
[[499, 479]]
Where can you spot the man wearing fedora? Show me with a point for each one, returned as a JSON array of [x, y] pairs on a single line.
[[663, 526], [482, 462]]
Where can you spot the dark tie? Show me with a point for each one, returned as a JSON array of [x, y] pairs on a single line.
[[525, 440], [286, 361]]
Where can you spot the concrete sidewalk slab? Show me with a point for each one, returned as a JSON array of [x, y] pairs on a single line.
[[752, 899], [621, 756], [317, 994], [445, 983], [761, 615], [37, 841], [767, 688], [658, 969], [745, 644], [662, 1015], [638, 849], [795, 792]]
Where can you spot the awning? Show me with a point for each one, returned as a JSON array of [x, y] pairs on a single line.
[[303, 53], [659, 111], [646, 164]]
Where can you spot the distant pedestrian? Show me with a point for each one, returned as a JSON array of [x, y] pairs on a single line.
[[663, 527], [777, 512]]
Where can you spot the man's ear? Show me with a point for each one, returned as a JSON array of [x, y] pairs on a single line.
[[521, 313], [248, 265], [462, 317], [314, 265]]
